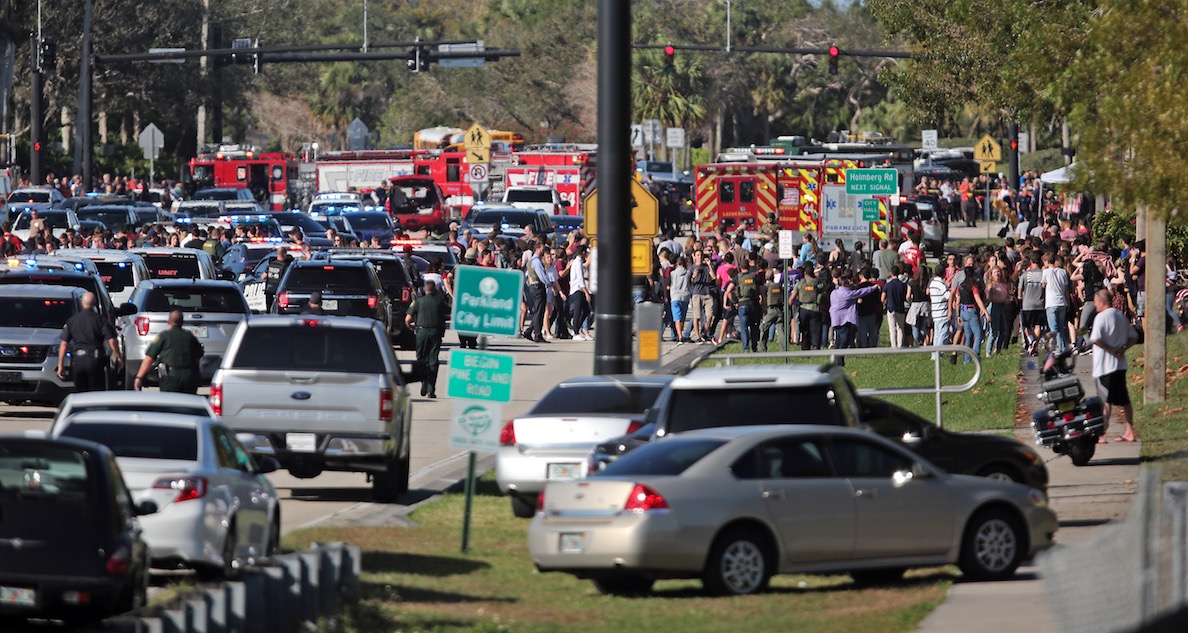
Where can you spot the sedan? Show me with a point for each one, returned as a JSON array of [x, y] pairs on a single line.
[[978, 454], [215, 506], [70, 538], [553, 440], [733, 506]]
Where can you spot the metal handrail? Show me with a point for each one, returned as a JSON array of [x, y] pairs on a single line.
[[937, 388]]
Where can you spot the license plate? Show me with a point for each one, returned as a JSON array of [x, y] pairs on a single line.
[[329, 304], [565, 471], [1065, 407], [301, 442], [10, 377], [18, 596], [573, 542], [198, 331]]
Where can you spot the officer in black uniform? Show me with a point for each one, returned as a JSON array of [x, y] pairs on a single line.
[[88, 331], [314, 305], [273, 273], [426, 316], [179, 352], [775, 310]]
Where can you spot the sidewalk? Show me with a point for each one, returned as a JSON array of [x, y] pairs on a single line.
[[1084, 499]]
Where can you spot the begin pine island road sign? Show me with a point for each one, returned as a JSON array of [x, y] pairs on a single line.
[[480, 375], [872, 182], [487, 300]]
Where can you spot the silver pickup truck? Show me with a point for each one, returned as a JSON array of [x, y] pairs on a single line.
[[319, 393]]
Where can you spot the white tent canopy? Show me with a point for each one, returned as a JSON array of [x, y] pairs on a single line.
[[1061, 176]]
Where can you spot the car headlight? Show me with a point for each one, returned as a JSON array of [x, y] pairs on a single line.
[[1037, 498]]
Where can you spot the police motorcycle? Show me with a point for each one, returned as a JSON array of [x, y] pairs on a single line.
[[1070, 423]]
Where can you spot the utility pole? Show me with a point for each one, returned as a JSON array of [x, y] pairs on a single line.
[[612, 346], [202, 64], [1155, 335], [86, 140]]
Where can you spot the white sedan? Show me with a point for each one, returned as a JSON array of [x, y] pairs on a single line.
[[216, 507]]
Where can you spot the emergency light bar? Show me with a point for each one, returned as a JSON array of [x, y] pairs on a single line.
[[407, 242]]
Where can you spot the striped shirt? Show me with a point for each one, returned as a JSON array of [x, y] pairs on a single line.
[[938, 296]]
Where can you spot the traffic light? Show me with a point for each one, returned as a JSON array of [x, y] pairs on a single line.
[[48, 55], [669, 58], [420, 60], [834, 52], [1014, 145], [256, 64]]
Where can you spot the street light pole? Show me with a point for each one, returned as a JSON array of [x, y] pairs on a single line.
[[85, 139]]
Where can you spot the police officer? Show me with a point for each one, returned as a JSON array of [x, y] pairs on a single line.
[[314, 305], [179, 352], [426, 316], [775, 310], [749, 307], [88, 331], [807, 295], [273, 273]]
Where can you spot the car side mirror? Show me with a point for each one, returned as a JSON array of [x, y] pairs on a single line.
[[126, 309], [266, 464], [147, 506], [227, 275]]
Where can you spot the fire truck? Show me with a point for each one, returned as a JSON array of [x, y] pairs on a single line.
[[805, 194], [448, 170], [571, 169], [363, 170], [271, 176]]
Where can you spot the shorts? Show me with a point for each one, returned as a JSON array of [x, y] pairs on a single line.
[[1140, 303], [1032, 318], [1112, 388], [700, 303], [679, 310]]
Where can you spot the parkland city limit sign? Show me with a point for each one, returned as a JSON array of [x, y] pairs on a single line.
[[487, 301]]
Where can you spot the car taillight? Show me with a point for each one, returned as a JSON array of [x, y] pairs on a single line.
[[643, 498], [187, 487], [372, 301], [142, 325], [216, 398], [117, 563], [282, 299], [507, 437], [406, 294], [634, 426], [387, 405], [540, 501]]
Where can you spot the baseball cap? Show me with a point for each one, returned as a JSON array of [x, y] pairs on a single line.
[[454, 226], [315, 296], [768, 246]]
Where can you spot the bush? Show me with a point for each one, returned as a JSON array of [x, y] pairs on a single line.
[[1115, 226]]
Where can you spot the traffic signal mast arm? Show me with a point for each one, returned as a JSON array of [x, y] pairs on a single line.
[[786, 51]]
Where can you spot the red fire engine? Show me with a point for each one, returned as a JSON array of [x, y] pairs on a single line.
[[570, 169], [270, 176], [448, 170], [363, 170]]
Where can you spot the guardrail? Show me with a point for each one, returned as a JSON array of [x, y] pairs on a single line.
[[285, 594], [937, 351]]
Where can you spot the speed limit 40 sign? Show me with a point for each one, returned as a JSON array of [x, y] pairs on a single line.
[[478, 172]]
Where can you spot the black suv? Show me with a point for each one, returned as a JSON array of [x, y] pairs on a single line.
[[349, 288], [395, 279]]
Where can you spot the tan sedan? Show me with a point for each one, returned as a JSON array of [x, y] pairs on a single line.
[[734, 506]]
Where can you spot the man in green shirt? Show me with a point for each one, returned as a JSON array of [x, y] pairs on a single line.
[[179, 353], [426, 317]]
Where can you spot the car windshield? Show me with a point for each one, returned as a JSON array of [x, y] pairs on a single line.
[[340, 278], [140, 440], [303, 348], [334, 208], [173, 266], [51, 219], [504, 218], [690, 409], [33, 197], [607, 397], [152, 407], [202, 210], [221, 299], [445, 255], [87, 283], [391, 273], [370, 221], [668, 457], [111, 218], [35, 312], [260, 228], [147, 215], [307, 224], [217, 194], [42, 471], [116, 275], [529, 195]]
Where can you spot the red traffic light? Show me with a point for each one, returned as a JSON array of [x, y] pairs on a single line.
[[37, 147], [670, 50], [834, 51], [1014, 145]]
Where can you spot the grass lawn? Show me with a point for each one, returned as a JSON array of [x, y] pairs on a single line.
[[1163, 427], [415, 579], [989, 406]]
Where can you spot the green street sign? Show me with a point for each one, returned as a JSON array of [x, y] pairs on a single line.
[[873, 182], [870, 210], [487, 300], [480, 375]]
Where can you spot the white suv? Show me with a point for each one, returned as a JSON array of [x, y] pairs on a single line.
[[121, 271], [319, 393], [536, 197]]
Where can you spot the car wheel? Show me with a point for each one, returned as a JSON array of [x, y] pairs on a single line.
[[624, 584], [228, 568], [877, 577], [993, 547], [740, 563], [522, 508], [386, 487], [1081, 450], [1001, 472]]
